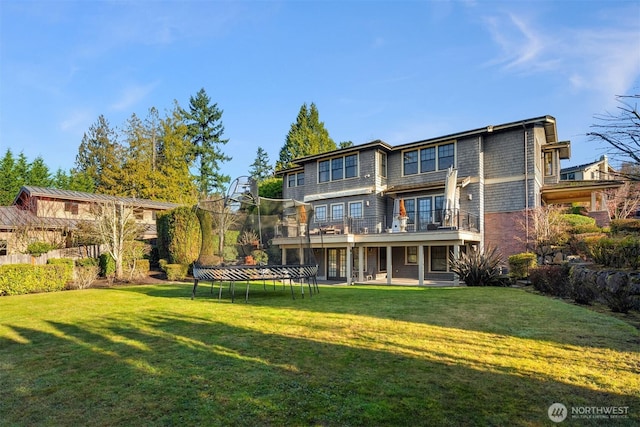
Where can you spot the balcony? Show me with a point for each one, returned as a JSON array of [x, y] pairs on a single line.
[[448, 219]]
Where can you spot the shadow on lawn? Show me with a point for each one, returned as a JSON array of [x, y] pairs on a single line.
[[504, 311], [164, 369]]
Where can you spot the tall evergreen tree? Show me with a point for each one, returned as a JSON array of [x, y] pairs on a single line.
[[8, 179], [39, 174], [205, 131], [260, 168], [100, 157], [307, 136]]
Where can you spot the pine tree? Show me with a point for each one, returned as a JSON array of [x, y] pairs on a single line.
[[100, 157], [39, 174], [260, 168], [205, 131], [307, 136], [8, 179]]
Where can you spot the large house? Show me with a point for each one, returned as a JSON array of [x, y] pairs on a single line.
[[460, 192], [52, 215]]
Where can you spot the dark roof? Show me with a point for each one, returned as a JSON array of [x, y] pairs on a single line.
[[548, 122], [580, 167], [90, 197]]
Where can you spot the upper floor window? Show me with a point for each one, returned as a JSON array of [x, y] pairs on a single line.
[[138, 213], [351, 166], [337, 211], [320, 213], [71, 207], [428, 159], [338, 168], [295, 179], [383, 164], [355, 209]]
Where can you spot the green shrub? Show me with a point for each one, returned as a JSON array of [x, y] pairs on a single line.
[[162, 263], [16, 279], [521, 264], [179, 236], [478, 268], [39, 248], [551, 279], [579, 224], [87, 262], [617, 252], [107, 265], [628, 225], [176, 271], [68, 262], [261, 257]]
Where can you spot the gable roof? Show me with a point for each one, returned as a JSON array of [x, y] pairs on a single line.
[[13, 217], [80, 196]]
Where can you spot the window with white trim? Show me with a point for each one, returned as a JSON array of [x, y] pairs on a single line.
[[411, 255], [383, 164], [337, 212], [355, 209], [320, 213]]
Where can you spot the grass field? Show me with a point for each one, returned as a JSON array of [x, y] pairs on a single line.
[[349, 356]]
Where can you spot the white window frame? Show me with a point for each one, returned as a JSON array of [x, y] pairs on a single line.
[[335, 205], [316, 216], [359, 202], [437, 159], [407, 255]]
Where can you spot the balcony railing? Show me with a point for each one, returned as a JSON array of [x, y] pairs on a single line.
[[448, 219]]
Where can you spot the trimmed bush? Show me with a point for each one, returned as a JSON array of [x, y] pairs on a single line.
[[617, 252], [629, 225], [68, 262], [39, 248], [107, 265], [176, 271], [179, 236], [580, 224], [16, 279], [87, 262], [551, 279], [478, 268], [521, 264]]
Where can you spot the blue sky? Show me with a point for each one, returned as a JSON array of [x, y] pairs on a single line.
[[399, 71]]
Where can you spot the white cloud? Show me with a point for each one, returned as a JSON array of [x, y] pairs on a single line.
[[76, 120]]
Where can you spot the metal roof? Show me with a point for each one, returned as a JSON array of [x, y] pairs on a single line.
[[55, 193], [13, 217]]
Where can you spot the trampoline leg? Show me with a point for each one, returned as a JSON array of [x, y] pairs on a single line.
[[291, 286], [246, 297], [220, 291], [232, 288], [195, 285]]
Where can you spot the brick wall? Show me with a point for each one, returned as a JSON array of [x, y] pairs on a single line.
[[504, 231]]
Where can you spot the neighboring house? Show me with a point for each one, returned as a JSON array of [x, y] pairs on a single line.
[[588, 182], [51, 215], [460, 192]]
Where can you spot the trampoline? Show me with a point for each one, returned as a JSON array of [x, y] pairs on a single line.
[[237, 234]]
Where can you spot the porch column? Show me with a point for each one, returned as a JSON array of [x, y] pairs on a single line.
[[301, 255], [420, 265], [361, 263], [283, 253], [594, 202], [456, 255], [349, 265], [389, 266]]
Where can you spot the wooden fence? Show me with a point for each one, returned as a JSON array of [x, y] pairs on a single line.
[[92, 251]]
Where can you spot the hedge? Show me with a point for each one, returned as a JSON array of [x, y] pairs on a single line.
[[520, 264], [17, 279], [176, 271]]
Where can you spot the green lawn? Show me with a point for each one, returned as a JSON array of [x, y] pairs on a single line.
[[360, 356]]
